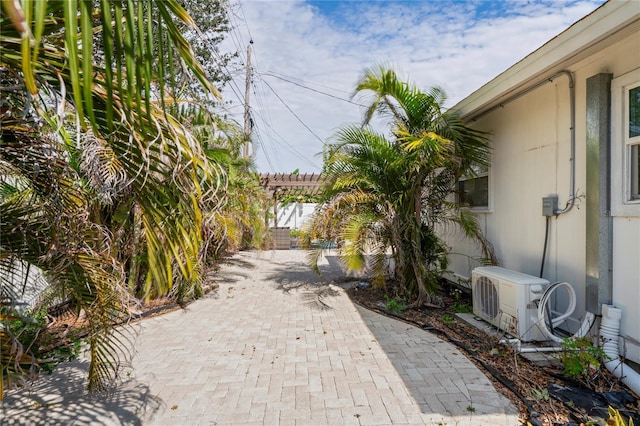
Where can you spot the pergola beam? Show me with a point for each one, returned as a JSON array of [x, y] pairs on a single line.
[[285, 183], [280, 184]]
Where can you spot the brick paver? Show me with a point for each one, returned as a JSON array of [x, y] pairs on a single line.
[[275, 345]]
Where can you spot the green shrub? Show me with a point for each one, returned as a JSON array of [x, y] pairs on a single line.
[[460, 307], [580, 359], [448, 319], [395, 305]]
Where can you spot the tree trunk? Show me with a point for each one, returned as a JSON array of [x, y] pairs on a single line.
[[422, 292]]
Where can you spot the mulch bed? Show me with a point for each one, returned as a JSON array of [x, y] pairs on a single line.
[[68, 326], [532, 388]]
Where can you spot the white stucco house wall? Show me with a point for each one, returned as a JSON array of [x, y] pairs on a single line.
[[565, 122]]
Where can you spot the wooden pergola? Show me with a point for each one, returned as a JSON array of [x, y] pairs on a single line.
[[281, 184]]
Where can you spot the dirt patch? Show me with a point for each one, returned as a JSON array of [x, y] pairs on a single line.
[[67, 327], [532, 388]]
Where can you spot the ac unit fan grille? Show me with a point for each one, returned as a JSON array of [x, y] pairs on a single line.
[[488, 302]]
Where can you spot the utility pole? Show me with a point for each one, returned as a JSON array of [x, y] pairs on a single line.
[[247, 114]]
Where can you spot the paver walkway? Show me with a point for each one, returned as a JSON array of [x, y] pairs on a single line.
[[271, 349]]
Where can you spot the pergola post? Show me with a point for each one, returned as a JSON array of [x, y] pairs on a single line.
[[275, 208]]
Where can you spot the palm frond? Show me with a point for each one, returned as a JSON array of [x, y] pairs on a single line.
[[384, 193], [87, 125]]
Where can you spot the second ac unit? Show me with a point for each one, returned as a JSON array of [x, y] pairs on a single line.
[[507, 299]]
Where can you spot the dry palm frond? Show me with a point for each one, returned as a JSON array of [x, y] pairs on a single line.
[[116, 137], [102, 168]]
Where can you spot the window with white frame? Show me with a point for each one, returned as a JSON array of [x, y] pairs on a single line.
[[473, 191], [633, 140], [625, 143]]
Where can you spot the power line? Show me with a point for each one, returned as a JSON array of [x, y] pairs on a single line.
[[310, 82], [300, 155], [258, 92], [245, 20], [236, 39], [293, 149], [312, 89], [292, 112], [260, 98], [261, 144], [233, 85], [236, 43]]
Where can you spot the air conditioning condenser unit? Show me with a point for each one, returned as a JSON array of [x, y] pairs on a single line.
[[508, 300]]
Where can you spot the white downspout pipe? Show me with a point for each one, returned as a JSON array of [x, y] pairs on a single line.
[[572, 110], [572, 105], [609, 333]]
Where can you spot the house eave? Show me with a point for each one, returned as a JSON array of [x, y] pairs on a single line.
[[609, 23]]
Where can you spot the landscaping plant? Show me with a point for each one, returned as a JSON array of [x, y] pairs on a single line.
[[580, 359], [394, 193], [104, 192]]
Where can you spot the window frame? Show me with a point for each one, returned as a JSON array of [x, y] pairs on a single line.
[[633, 145], [625, 189], [634, 170], [472, 178]]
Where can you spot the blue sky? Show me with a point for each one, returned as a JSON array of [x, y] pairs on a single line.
[[336, 10], [307, 56]]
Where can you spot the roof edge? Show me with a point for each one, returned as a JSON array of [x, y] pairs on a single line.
[[559, 52]]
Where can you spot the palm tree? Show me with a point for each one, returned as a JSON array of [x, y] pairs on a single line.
[[235, 219], [396, 193], [88, 152]]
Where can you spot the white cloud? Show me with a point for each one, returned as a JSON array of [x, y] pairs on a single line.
[[458, 46]]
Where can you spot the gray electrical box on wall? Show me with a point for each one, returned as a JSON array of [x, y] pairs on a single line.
[[549, 205]]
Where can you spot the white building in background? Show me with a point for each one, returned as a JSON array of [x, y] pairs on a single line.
[[565, 126], [293, 215]]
